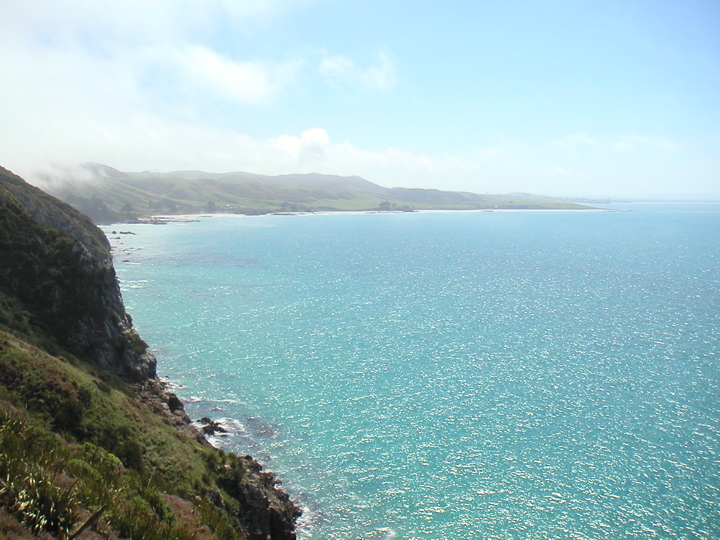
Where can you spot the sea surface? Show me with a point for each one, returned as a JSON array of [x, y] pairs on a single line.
[[482, 375]]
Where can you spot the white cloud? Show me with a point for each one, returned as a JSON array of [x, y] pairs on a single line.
[[140, 142], [123, 84], [140, 43], [102, 24], [311, 147], [313, 151], [143, 142], [341, 72], [337, 68], [128, 84], [380, 77], [244, 82], [583, 164], [136, 21]]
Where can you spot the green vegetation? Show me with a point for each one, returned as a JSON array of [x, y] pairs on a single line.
[[117, 196], [51, 486], [46, 271], [72, 442], [55, 415], [83, 451]]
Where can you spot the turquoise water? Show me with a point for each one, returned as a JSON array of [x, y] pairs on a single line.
[[453, 375]]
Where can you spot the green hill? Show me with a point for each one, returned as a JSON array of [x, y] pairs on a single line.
[[91, 443], [109, 195]]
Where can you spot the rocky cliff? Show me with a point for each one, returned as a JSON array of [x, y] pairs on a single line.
[[58, 264], [76, 376]]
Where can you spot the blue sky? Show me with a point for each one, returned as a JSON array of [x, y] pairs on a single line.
[[569, 98]]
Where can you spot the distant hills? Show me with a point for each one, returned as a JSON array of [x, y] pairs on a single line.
[[111, 196]]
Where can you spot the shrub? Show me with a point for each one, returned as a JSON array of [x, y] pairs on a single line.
[[31, 484]]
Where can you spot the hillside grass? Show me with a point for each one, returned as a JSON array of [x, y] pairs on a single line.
[[129, 196], [62, 409], [74, 440]]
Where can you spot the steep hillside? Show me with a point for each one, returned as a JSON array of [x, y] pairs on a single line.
[[91, 444], [58, 265], [113, 196]]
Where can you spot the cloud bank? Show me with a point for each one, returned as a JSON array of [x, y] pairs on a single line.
[[139, 85]]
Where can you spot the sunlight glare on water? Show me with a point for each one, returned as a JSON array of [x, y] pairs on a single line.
[[453, 375]]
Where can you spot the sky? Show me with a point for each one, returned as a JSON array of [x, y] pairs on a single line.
[[608, 98]]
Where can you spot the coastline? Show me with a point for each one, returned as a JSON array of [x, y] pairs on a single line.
[[93, 435], [267, 505], [391, 499], [228, 432], [270, 503], [160, 219], [267, 500]]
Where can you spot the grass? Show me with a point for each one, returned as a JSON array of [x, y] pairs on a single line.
[[47, 483], [73, 401], [77, 442], [197, 192]]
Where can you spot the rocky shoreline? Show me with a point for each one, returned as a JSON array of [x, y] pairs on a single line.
[[269, 509], [72, 359]]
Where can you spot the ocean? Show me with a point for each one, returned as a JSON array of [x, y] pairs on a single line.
[[457, 375]]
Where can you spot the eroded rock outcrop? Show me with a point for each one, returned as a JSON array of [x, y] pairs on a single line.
[[58, 264]]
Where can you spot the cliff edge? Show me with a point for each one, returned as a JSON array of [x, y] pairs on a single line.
[[91, 443], [58, 264]]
